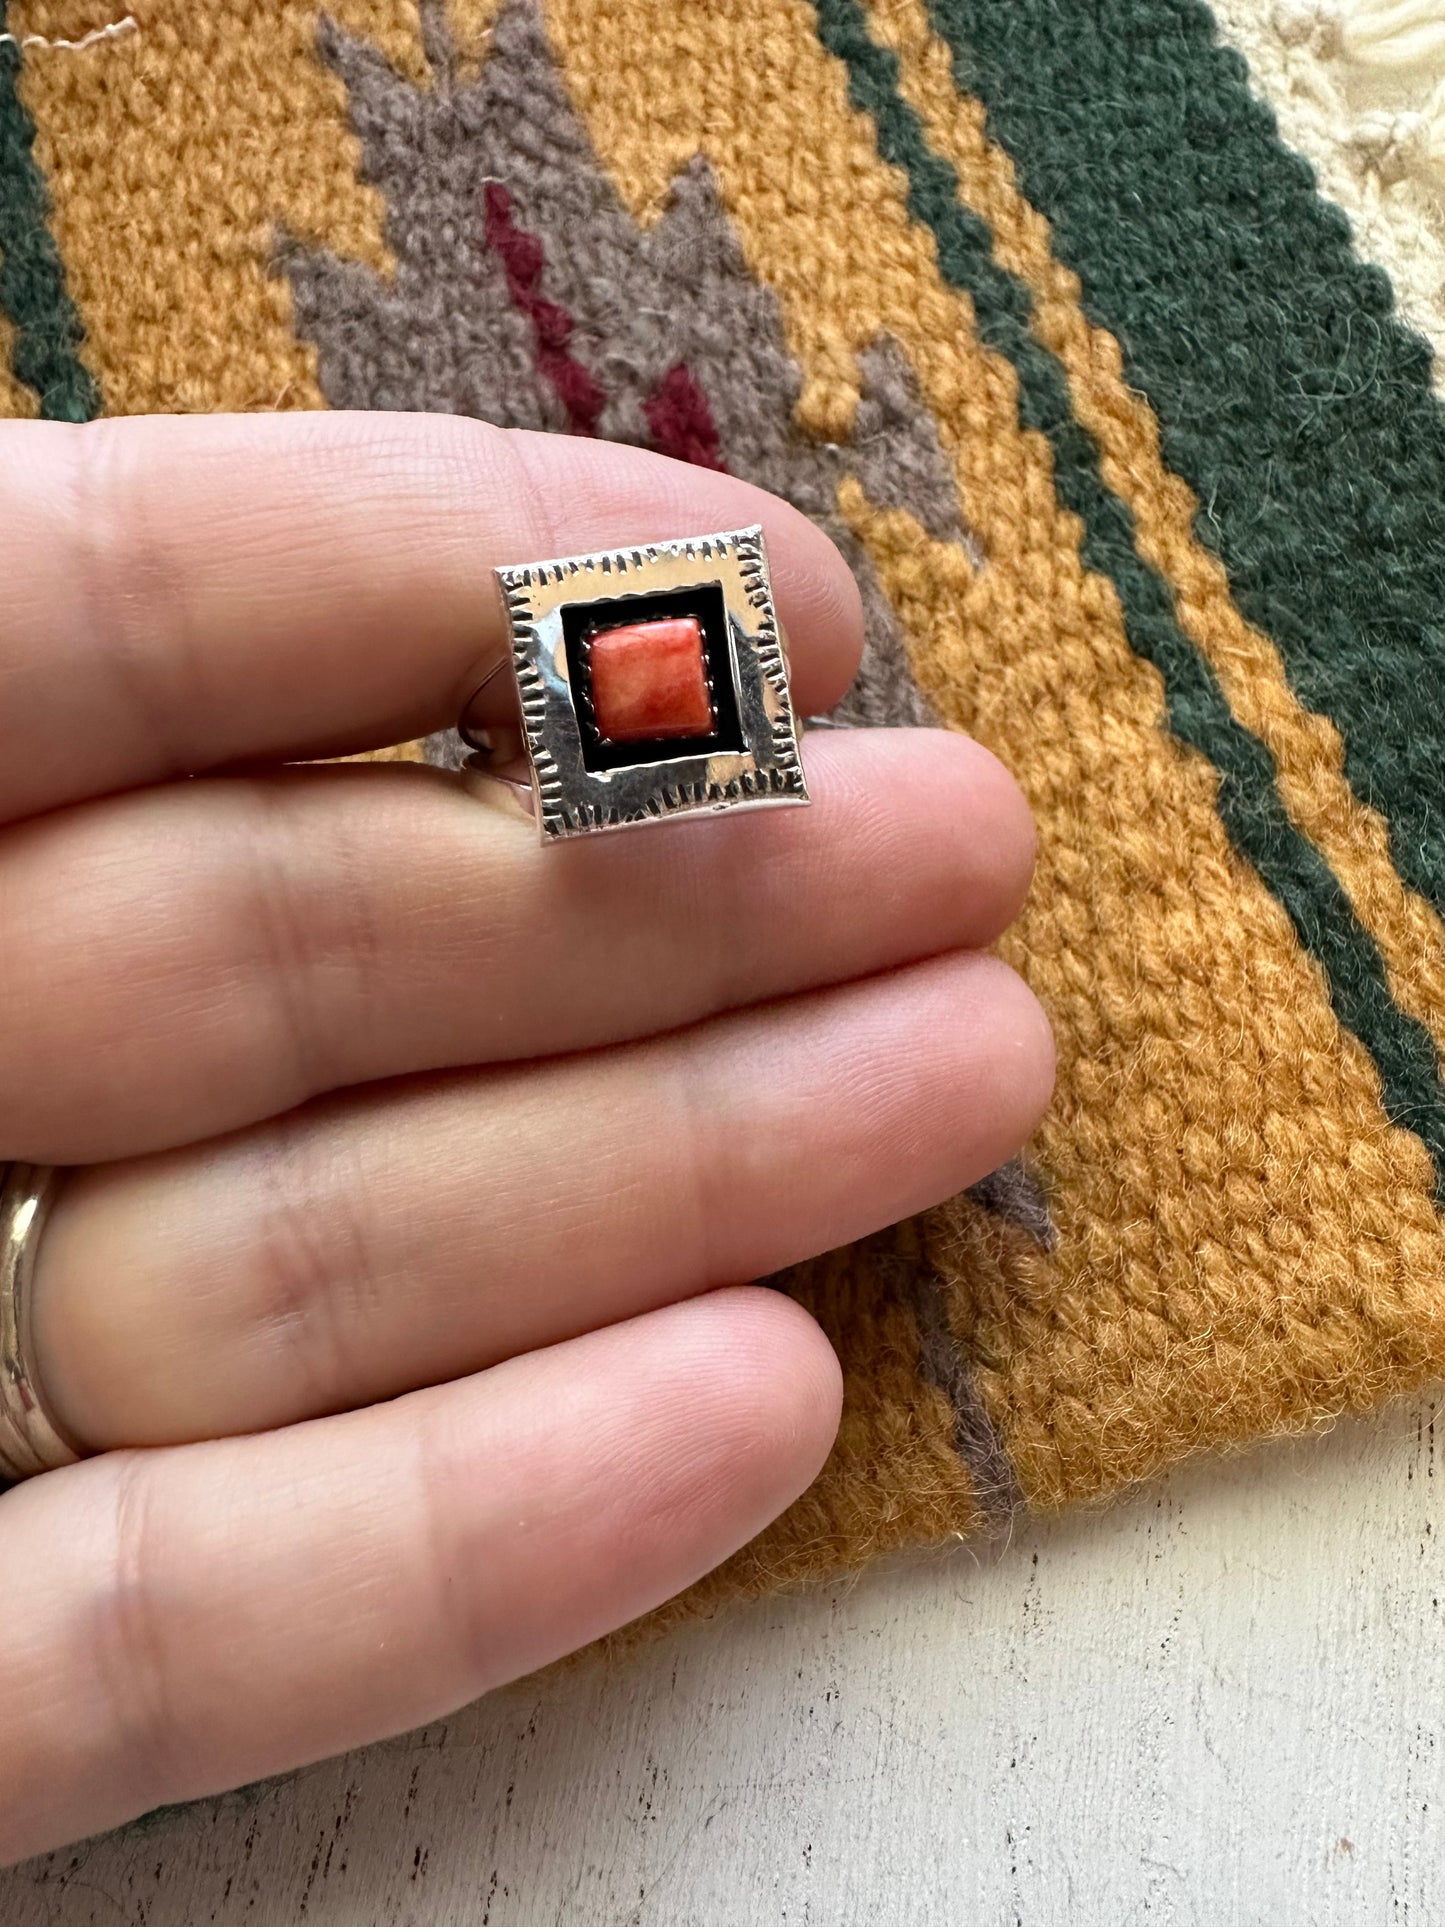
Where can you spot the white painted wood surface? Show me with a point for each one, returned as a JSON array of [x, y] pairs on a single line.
[[1220, 1702]]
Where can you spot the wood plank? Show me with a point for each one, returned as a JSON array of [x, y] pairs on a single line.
[[1218, 1701]]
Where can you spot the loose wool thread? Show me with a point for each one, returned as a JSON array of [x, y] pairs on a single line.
[[1404, 38], [1409, 34], [1029, 307], [113, 30]]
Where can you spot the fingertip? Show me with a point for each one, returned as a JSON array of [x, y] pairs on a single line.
[[1004, 825], [820, 606], [957, 821], [786, 1388], [979, 805], [952, 1062], [1013, 1057], [747, 1391]]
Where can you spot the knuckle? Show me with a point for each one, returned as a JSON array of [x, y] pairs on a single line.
[[278, 921], [314, 1280], [307, 911], [508, 458], [708, 1179], [460, 1616], [133, 1637], [130, 589]]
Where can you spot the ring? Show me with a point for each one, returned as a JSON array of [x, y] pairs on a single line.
[[652, 682], [30, 1441]]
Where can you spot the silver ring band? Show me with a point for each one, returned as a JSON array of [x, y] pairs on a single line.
[[30, 1441]]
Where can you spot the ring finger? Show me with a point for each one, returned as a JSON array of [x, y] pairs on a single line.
[[391, 1239]]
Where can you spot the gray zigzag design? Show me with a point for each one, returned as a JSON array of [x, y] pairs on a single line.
[[444, 335]]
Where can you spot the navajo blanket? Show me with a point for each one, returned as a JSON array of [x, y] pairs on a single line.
[[1097, 333]]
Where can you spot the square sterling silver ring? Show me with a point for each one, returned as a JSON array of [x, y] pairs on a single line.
[[653, 684]]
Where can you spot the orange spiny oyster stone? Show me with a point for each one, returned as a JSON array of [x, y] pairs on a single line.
[[649, 680]]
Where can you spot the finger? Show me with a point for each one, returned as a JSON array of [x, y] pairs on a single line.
[[184, 960], [184, 592], [363, 1248], [179, 1622]]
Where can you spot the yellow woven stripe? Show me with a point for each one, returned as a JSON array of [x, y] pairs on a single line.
[[1308, 750], [1246, 1244], [16, 400], [171, 155], [1222, 1164], [413, 752]]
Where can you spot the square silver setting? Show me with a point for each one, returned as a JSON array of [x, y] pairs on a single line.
[[583, 784]]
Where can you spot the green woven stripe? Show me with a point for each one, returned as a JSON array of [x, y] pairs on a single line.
[[1294, 404], [32, 278], [1249, 803]]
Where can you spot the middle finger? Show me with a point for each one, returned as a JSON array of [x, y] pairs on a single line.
[[181, 962], [418, 1232]]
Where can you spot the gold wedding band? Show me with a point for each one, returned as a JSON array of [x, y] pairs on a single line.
[[30, 1441]]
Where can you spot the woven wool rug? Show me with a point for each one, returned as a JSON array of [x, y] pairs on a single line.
[[1097, 337]]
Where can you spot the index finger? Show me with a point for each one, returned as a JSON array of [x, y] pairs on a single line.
[[190, 592]]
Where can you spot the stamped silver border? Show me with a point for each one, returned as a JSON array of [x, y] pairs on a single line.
[[573, 800]]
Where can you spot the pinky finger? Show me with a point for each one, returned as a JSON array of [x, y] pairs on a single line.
[[176, 1622]]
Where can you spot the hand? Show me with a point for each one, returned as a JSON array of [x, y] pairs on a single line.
[[414, 1154]]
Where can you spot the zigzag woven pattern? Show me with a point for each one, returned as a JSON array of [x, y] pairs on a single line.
[[1032, 309]]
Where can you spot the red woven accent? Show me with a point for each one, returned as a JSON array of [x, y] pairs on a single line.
[[524, 258], [681, 421]]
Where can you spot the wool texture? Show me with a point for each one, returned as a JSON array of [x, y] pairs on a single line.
[[1138, 467]]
